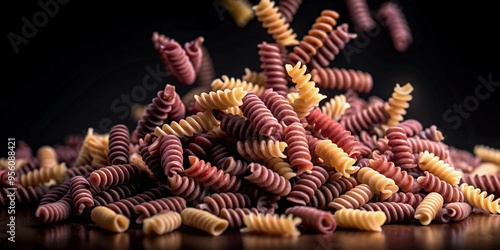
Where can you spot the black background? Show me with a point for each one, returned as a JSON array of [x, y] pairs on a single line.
[[65, 78]]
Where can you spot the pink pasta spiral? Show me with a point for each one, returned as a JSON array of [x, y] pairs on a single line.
[[199, 145], [206, 73], [307, 185], [332, 46], [119, 141], [418, 145], [157, 112], [314, 218], [368, 117], [114, 175], [353, 198], [178, 61], [432, 183], [403, 153], [342, 79], [171, 152], [55, 193], [24, 195], [235, 215], [288, 8], [238, 127], [150, 208], [260, 116], [329, 191], [411, 127], [153, 162], [488, 183], [113, 194], [217, 201], [458, 211], [194, 52], [395, 212], [401, 178], [408, 198], [234, 166], [298, 149], [56, 211], [210, 176], [80, 193], [126, 206], [279, 107], [185, 187], [397, 25], [272, 67], [360, 14], [268, 180]]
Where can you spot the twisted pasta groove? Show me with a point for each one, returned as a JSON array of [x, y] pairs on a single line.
[[288, 8], [336, 158], [204, 221], [279, 107], [257, 78], [261, 150], [379, 184], [307, 185], [272, 67], [194, 52], [260, 116], [220, 99], [185, 187], [342, 79], [47, 156], [329, 191], [281, 167], [427, 210], [335, 107], [368, 117], [429, 162], [157, 112], [191, 125], [119, 140], [268, 180], [360, 14], [178, 61], [432, 183], [401, 178], [150, 208], [109, 220], [395, 212], [238, 127], [298, 149], [206, 72], [332, 46], [408, 198], [209, 176], [217, 201], [97, 146], [153, 162], [488, 183], [235, 215], [487, 153], [114, 175], [273, 21], [397, 25], [162, 223], [354, 198], [309, 44], [420, 145], [80, 193], [126, 206], [273, 224], [225, 82], [55, 193], [24, 195], [458, 210], [411, 127], [403, 153], [171, 152], [54, 212], [360, 219], [317, 219], [479, 199], [42, 175], [399, 102]]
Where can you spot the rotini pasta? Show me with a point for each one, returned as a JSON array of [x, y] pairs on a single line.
[[427, 210], [204, 221], [220, 99], [162, 223], [272, 67], [270, 17], [399, 102], [379, 184], [429, 162], [109, 220], [336, 157], [272, 224], [313, 218], [335, 107], [487, 153], [480, 199], [360, 219], [354, 198]]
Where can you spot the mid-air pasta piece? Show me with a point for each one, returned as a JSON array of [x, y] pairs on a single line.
[[272, 67], [397, 25], [270, 17], [360, 14], [241, 11], [399, 102]]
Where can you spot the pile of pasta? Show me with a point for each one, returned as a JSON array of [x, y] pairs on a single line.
[[265, 152]]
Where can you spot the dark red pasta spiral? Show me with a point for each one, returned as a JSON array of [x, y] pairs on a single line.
[[288, 8], [25, 196], [332, 46], [314, 218], [83, 170], [220, 153], [342, 79], [307, 185], [113, 194], [238, 127], [194, 52], [235, 215], [408, 198], [267, 203], [397, 25], [329, 191], [157, 112], [171, 152], [458, 211], [398, 142], [268, 180], [178, 61], [298, 149], [334, 131], [260, 116], [126, 206], [200, 145], [150, 208], [309, 44], [178, 111], [55, 193], [206, 73], [114, 175], [400, 177], [119, 140], [488, 183], [279, 107], [395, 212], [158, 39], [420, 145], [185, 187], [80, 193], [210, 176], [153, 162], [272, 67], [217, 201], [66, 154], [360, 14], [411, 127], [236, 167], [367, 118], [56, 211]]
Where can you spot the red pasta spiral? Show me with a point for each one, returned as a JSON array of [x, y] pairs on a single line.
[[199, 145], [432, 183], [194, 52], [408, 198], [400, 177], [279, 107], [403, 153], [418, 145], [329, 191], [178, 61], [158, 39], [314, 218], [397, 25], [150, 208], [114, 175], [235, 215], [238, 127], [268, 180], [342, 79], [458, 211], [55, 193], [272, 67], [206, 73], [210, 176], [56, 211], [332, 46], [368, 117], [360, 14], [24, 195], [488, 183], [185, 187], [119, 140], [217, 201], [309, 44], [157, 112], [288, 8], [334, 131], [80, 193], [260, 116], [298, 149], [113, 194], [171, 152], [153, 162], [411, 127], [395, 212], [307, 185], [126, 206]]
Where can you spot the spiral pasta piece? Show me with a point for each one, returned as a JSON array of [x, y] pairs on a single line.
[[226, 82], [235, 215], [458, 211], [217, 201], [272, 20], [298, 149], [399, 102], [335, 107], [272, 224], [47, 156], [281, 167], [488, 183], [360, 14], [191, 125], [429, 162], [336, 158], [185, 187], [354, 198], [487, 153], [272, 67], [401, 178], [162, 223], [480, 199], [194, 52], [332, 45], [24, 195], [314, 218], [360, 219], [268, 180], [307, 185], [366, 118], [206, 73], [261, 150], [260, 116], [257, 78], [329, 191], [178, 61], [80, 193], [418, 145], [408, 198], [432, 183], [114, 175], [56, 211], [379, 184], [220, 99], [148, 209], [427, 210], [395, 212], [403, 153], [240, 10], [209, 176], [119, 140], [109, 220], [126, 206], [397, 25], [280, 107], [43, 175], [238, 127], [288, 8], [485, 168], [204, 221], [342, 79], [98, 146], [171, 152]]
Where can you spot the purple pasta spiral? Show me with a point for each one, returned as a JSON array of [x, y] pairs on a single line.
[[80, 192], [24, 195], [288, 8], [329, 191], [194, 52], [418, 145], [342, 79], [395, 212], [171, 155], [411, 127], [408, 198], [268, 180], [126, 206], [153, 162], [238, 127], [360, 14], [260, 116], [150, 208], [279, 107], [119, 140], [488, 183], [114, 175], [272, 67], [332, 46], [206, 73], [55, 193], [178, 62], [314, 218], [400, 177], [298, 150], [56, 211], [367, 118], [115, 193], [236, 167], [200, 145], [432, 183], [217, 201], [307, 185], [397, 25], [157, 112], [235, 215], [403, 153], [458, 211], [185, 187]]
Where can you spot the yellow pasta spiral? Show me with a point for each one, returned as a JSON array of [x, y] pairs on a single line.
[[108, 219], [230, 83], [379, 184], [221, 99], [261, 150], [335, 107], [194, 124], [281, 167], [486, 168], [398, 103], [240, 10], [360, 219], [427, 210], [479, 199], [43, 175], [47, 156], [257, 78], [487, 153], [336, 158], [273, 21], [431, 163], [98, 147], [162, 223], [292, 96], [272, 224], [204, 221], [234, 111]]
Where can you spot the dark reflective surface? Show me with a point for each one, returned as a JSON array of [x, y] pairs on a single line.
[[480, 231]]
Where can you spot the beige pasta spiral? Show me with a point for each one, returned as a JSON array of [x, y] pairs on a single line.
[[220, 99], [428, 208], [272, 224], [257, 78], [431, 163], [479, 199], [281, 167], [379, 184], [360, 219], [487, 153], [106, 218], [47, 156], [336, 107], [224, 82], [261, 150], [354, 198], [162, 223], [273, 21], [204, 221], [336, 158], [399, 103], [194, 124], [43, 175]]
